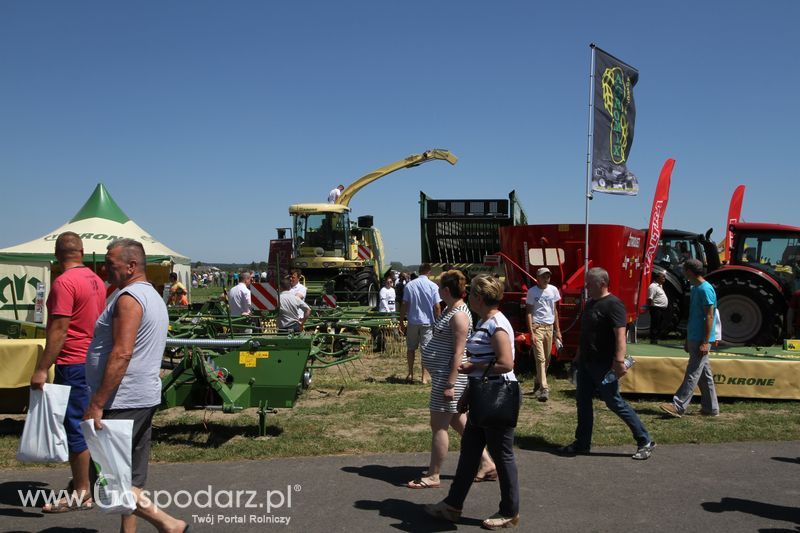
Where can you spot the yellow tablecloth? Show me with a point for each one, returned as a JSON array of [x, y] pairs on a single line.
[[18, 360]]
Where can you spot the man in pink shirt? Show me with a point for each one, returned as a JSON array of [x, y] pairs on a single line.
[[76, 300]]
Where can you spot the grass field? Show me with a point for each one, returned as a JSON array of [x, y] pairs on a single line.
[[365, 407]]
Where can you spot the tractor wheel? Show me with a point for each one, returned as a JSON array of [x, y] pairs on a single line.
[[674, 302], [365, 287], [749, 313]]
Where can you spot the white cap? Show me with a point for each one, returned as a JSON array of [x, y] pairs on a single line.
[[543, 270]]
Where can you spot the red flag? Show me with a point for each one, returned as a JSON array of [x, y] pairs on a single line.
[[734, 213], [660, 200]]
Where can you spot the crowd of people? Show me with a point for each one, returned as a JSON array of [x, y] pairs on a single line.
[[110, 352]]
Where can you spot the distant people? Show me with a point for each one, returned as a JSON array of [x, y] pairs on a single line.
[[492, 340], [402, 279], [334, 194], [658, 306], [293, 311], [181, 298], [602, 348], [421, 307], [76, 299], [122, 369], [700, 335], [174, 287], [442, 356], [263, 276], [543, 324], [239, 298], [386, 297]]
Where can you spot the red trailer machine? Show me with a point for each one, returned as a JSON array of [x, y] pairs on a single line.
[[561, 248]]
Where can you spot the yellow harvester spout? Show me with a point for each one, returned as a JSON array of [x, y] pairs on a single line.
[[410, 161]]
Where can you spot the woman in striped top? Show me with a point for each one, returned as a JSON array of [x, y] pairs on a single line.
[[493, 340], [442, 357]]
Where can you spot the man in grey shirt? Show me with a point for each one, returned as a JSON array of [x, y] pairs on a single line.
[[293, 311], [122, 367]]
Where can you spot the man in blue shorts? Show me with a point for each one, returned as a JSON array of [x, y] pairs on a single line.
[[76, 300]]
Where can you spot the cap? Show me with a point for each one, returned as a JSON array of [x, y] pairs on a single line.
[[543, 270]]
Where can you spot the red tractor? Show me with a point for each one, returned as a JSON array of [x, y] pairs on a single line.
[[755, 286]]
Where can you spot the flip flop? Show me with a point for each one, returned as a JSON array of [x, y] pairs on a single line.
[[422, 484], [491, 475], [61, 506]]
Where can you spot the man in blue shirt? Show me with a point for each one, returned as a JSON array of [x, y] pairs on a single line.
[[421, 307], [700, 334]]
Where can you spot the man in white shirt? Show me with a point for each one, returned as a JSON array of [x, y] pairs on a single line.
[[657, 304], [421, 306], [543, 325], [239, 296], [386, 304], [334, 194]]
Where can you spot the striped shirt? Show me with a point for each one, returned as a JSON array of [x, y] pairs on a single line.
[[437, 356], [479, 345]]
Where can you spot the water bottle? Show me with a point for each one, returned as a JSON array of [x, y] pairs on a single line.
[[611, 377]]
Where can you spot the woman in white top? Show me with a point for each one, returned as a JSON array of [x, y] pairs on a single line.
[[493, 340]]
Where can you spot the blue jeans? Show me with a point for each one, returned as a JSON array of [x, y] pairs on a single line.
[[590, 376]]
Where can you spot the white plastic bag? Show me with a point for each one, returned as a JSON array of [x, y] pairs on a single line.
[[44, 438], [111, 449]]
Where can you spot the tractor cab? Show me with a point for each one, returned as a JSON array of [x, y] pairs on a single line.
[[771, 249]]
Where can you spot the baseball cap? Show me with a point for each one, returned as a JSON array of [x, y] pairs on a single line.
[[543, 270]]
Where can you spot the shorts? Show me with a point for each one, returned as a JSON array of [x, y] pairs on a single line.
[[418, 335], [75, 377], [140, 441]]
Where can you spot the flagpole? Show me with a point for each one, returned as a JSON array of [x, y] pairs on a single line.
[[589, 163]]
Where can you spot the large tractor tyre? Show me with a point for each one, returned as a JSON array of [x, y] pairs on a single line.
[[674, 311], [750, 313], [365, 287]]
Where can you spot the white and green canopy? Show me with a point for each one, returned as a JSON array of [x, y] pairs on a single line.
[[98, 222]]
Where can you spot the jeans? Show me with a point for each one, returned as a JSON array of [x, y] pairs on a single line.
[[590, 376], [698, 373], [500, 442]]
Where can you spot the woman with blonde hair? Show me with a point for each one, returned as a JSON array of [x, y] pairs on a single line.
[[491, 357], [442, 357]]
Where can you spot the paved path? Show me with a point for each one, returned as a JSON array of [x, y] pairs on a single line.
[[704, 488]]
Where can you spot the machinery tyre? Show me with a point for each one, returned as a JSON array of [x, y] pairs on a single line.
[[365, 286], [750, 313]]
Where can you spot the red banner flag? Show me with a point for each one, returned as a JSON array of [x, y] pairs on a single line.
[[734, 213], [660, 199]]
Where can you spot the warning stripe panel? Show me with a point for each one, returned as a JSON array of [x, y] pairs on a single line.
[[364, 252], [264, 296]]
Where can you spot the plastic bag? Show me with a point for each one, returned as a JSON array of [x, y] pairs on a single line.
[[44, 438], [110, 449]]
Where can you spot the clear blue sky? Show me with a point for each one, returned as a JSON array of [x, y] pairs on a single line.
[[205, 120]]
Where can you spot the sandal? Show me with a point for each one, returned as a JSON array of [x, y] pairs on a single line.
[[491, 475], [420, 483], [63, 506]]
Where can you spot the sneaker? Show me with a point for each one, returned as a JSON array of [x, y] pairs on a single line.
[[443, 511], [537, 390], [498, 521], [671, 410], [709, 413], [544, 395], [644, 452], [571, 450]]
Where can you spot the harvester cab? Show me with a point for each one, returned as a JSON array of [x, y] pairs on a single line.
[[337, 256]]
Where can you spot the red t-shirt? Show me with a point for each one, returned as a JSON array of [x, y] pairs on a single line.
[[79, 294]]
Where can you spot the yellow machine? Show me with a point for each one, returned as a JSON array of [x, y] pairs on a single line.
[[339, 257]]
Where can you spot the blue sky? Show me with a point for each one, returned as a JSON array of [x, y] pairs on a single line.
[[205, 120]]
